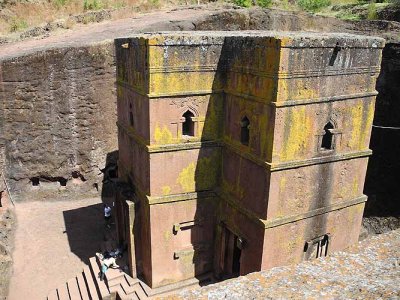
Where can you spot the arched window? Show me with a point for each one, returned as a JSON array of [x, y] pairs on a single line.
[[130, 115], [327, 138], [188, 124], [245, 131]]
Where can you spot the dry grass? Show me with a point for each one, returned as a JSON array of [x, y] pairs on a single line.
[[22, 15], [17, 17]]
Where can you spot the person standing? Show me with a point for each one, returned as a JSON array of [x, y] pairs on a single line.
[[107, 215]]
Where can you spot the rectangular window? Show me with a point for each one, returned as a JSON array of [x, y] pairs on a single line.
[[317, 247]]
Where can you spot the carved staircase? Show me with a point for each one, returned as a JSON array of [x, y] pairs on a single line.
[[88, 286]]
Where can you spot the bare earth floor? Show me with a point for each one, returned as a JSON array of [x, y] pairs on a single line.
[[53, 242]]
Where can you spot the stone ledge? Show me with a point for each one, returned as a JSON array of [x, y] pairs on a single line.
[[270, 223], [153, 200], [279, 166]]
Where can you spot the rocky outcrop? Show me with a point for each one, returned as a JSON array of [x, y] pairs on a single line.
[[369, 271], [7, 228]]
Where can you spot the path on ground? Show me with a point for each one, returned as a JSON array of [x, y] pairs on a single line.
[[53, 241], [107, 30], [370, 270]]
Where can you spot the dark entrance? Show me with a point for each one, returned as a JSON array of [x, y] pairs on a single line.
[[230, 254], [237, 252]]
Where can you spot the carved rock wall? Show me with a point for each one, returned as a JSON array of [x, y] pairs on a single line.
[[59, 117]]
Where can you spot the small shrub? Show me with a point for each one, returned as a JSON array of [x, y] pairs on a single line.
[[155, 3], [313, 5], [349, 16], [372, 13], [18, 24], [264, 3], [92, 5], [285, 4], [243, 3]]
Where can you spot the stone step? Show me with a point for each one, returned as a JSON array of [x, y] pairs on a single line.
[[118, 289], [83, 288], [140, 292], [73, 289], [134, 287], [128, 288], [88, 286], [113, 276], [145, 288], [95, 268], [63, 292], [90, 283], [53, 295], [141, 289]]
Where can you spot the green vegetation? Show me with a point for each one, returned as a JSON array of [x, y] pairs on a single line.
[[264, 3], [92, 5], [372, 13], [18, 24], [243, 3], [313, 5], [249, 3], [348, 16], [155, 3]]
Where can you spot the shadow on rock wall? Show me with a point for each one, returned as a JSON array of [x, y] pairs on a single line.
[[382, 182]]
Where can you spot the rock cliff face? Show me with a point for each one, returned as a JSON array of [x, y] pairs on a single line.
[[7, 221], [59, 115], [58, 110]]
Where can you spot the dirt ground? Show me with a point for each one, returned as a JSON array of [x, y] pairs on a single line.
[[107, 30], [53, 242]]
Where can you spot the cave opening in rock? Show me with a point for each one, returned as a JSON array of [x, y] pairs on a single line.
[[35, 181]]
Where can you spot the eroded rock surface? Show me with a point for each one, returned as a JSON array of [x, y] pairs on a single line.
[[370, 270], [59, 117], [7, 228]]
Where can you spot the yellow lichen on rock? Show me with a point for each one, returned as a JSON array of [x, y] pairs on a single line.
[[299, 127], [163, 135], [166, 190], [186, 178]]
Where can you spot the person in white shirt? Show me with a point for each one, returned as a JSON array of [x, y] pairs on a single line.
[[107, 262], [107, 215]]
